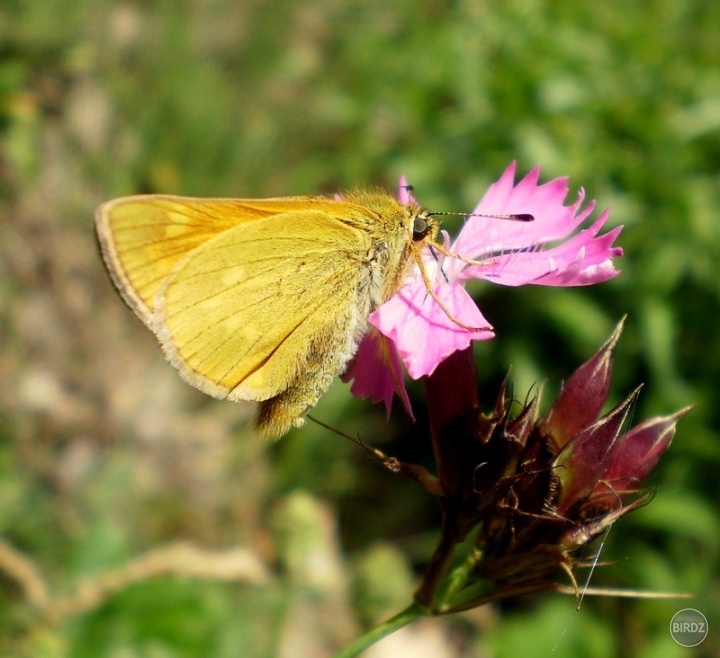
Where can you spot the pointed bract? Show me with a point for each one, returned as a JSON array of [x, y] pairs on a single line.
[[635, 455], [582, 461], [583, 395]]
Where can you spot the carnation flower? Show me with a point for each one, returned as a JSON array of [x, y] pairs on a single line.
[[548, 251]]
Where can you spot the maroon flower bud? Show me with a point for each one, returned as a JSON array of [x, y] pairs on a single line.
[[582, 397], [582, 461], [633, 457]]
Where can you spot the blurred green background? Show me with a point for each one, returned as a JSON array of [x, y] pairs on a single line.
[[140, 518]]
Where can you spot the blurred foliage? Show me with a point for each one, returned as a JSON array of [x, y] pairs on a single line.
[[105, 455]]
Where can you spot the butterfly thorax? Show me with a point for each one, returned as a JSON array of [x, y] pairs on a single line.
[[390, 226]]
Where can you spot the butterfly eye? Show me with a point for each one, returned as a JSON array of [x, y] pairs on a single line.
[[420, 228]]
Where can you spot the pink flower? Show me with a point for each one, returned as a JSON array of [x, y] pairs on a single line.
[[547, 251]]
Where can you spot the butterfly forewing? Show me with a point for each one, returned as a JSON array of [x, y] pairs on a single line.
[[240, 312], [143, 238]]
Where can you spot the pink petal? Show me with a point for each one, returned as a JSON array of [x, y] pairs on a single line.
[[553, 220], [422, 332], [376, 372], [581, 260], [514, 269], [404, 195]]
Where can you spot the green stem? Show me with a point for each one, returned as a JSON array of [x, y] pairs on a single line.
[[403, 618], [456, 580], [437, 568]]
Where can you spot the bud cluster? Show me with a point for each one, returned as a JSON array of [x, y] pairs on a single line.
[[521, 494]]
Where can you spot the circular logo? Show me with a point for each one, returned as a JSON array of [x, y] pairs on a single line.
[[688, 627]]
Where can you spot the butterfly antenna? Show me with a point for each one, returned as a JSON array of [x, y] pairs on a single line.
[[517, 217]]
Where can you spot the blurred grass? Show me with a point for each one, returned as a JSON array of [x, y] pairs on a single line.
[[105, 455]]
